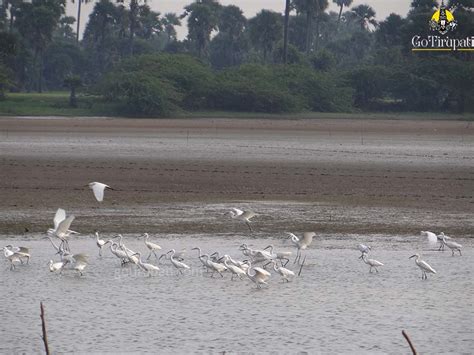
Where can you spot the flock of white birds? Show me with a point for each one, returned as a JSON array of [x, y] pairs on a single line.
[[213, 263]]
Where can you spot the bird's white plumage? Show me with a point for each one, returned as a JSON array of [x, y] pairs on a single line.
[[63, 228], [98, 189], [432, 238], [59, 217]]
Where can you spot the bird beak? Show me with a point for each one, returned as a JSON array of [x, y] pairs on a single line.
[[412, 256]]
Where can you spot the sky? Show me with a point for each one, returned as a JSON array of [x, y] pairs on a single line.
[[383, 8]]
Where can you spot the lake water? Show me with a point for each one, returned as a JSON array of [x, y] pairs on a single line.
[[335, 306]]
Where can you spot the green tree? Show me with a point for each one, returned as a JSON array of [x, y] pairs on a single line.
[[364, 15], [265, 30], [341, 4], [313, 10], [36, 22], [169, 21], [203, 18], [78, 18]]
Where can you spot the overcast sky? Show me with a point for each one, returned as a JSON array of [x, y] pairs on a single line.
[[250, 7]]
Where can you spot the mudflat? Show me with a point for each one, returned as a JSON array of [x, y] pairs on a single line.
[[329, 175]]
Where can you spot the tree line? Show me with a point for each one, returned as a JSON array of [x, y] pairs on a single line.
[[302, 58]]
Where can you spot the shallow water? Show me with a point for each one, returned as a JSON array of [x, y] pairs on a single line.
[[336, 306]]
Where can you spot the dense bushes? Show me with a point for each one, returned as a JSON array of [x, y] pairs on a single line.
[[159, 84]]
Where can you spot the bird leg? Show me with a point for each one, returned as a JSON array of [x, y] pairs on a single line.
[[265, 265], [248, 225], [149, 256]]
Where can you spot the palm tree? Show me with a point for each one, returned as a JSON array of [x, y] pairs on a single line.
[[79, 2], [265, 31], [313, 10], [170, 20], [285, 31], [341, 4], [364, 15]]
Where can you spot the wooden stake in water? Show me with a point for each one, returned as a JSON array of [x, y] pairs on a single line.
[[43, 327], [302, 264], [413, 350]]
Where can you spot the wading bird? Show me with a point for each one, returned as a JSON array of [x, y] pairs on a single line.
[[371, 262], [215, 266], [56, 266], [244, 216], [301, 244], [423, 265], [61, 227], [151, 246], [451, 244], [119, 253], [12, 257], [98, 189], [177, 264], [149, 268], [364, 249], [260, 276], [285, 273], [100, 243], [440, 237], [22, 252], [235, 270], [280, 255]]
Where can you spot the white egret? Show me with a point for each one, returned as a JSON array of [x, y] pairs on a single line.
[[100, 243], [22, 252], [260, 276], [119, 253], [235, 270], [203, 258], [442, 237], [149, 268], [451, 244], [285, 273], [301, 244], [423, 265], [80, 262], [432, 238], [244, 216], [98, 189], [364, 249], [61, 227], [177, 264], [151, 246], [12, 257], [56, 266], [280, 255], [371, 262]]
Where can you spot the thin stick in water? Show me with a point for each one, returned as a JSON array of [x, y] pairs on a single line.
[[413, 350], [43, 327], [302, 264]]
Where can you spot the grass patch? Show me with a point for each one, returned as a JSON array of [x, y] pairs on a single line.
[[56, 103]]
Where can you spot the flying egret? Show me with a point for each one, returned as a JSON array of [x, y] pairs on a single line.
[[151, 246], [244, 216], [423, 265], [451, 244], [371, 262], [364, 249], [100, 243], [260, 276], [285, 273], [432, 238], [177, 264], [61, 227], [22, 252], [98, 189], [149, 268], [301, 244]]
